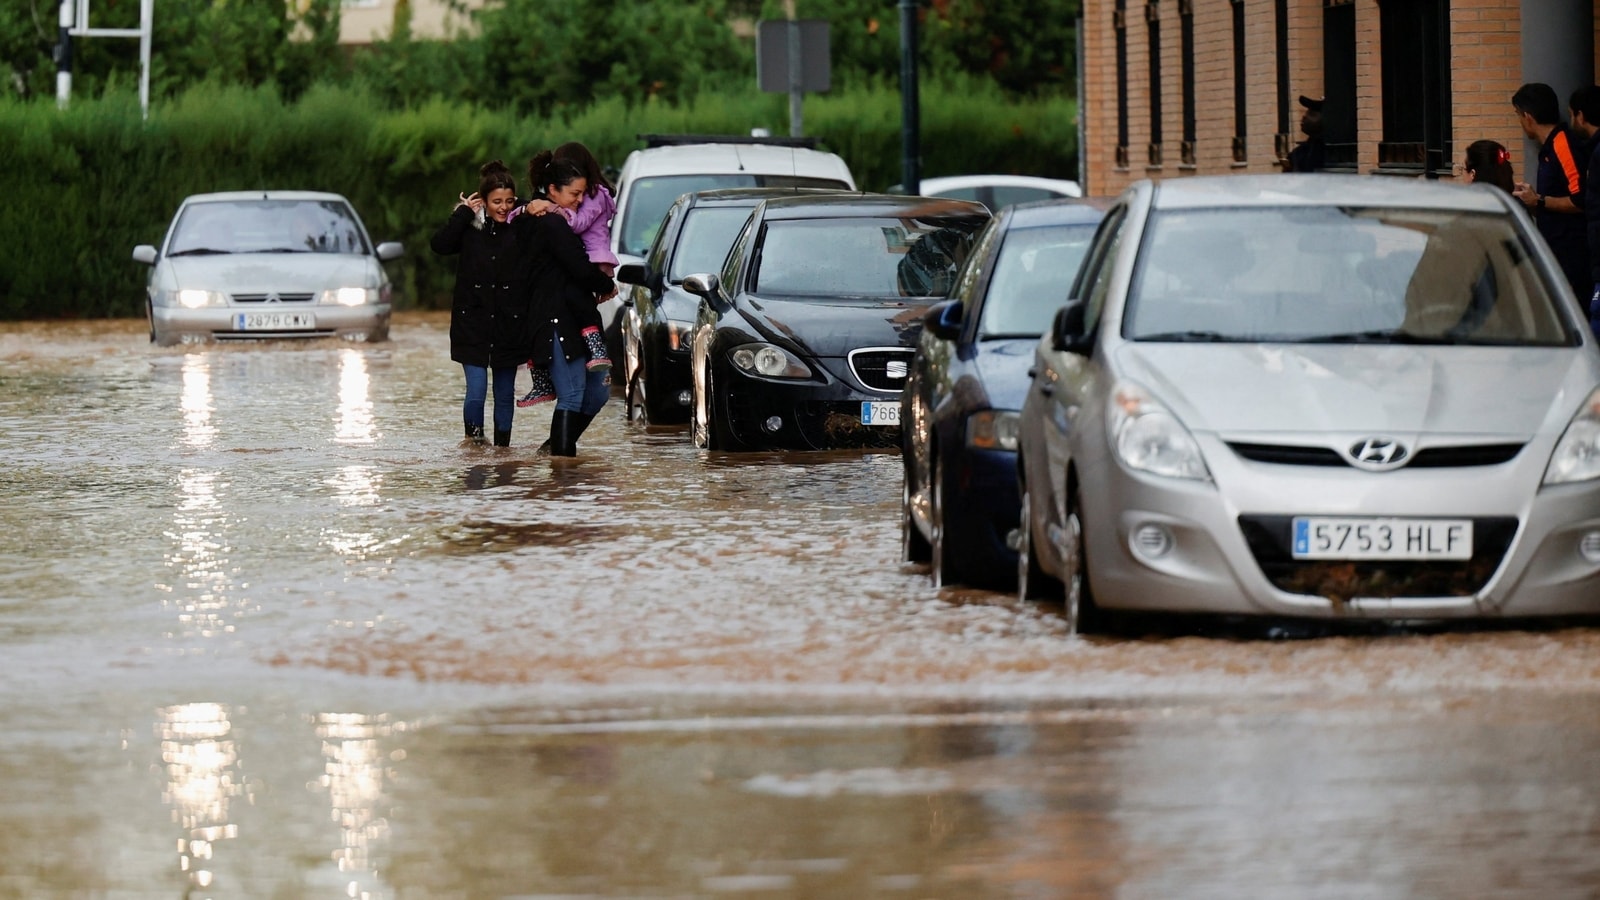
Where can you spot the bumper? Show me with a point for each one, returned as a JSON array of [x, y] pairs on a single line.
[[983, 504], [1226, 552], [174, 325], [806, 415]]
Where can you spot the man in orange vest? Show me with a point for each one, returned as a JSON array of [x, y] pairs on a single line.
[[1557, 181]]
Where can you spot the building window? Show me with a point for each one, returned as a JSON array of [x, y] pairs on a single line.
[[1280, 141], [1152, 18], [1186, 39], [1240, 110], [1339, 84], [1415, 50], [1119, 24]]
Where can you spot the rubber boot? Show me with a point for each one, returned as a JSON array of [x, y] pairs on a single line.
[[502, 438], [564, 432], [582, 421], [475, 434]]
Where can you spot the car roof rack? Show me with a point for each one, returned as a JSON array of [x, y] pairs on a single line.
[[674, 140]]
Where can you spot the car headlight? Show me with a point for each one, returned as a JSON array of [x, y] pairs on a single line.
[[1149, 438], [1577, 454], [190, 298], [678, 334], [769, 361], [993, 429], [348, 296]]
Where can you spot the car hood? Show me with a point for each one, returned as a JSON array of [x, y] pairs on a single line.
[[1393, 390], [1002, 367], [255, 273], [834, 327]]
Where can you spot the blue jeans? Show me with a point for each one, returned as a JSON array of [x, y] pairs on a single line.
[[505, 395], [577, 389]]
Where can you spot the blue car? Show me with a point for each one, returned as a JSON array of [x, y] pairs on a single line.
[[960, 408]]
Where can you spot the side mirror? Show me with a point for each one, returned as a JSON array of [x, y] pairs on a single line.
[[632, 273], [389, 250], [1067, 329], [145, 253], [943, 320], [701, 285]]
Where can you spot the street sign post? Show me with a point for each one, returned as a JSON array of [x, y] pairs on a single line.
[[793, 57]]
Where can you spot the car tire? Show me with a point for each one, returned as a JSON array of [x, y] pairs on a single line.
[[633, 407], [700, 412], [914, 548], [1032, 582], [1078, 606], [948, 566]]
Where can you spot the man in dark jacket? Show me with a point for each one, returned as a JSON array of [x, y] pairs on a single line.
[[1311, 154], [1558, 180], [1584, 108]]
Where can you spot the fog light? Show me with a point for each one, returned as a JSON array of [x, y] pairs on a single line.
[[1589, 547], [1152, 541], [192, 338], [773, 424], [685, 397], [355, 336]]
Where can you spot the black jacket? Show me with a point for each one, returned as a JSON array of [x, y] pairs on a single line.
[[565, 283], [489, 312]]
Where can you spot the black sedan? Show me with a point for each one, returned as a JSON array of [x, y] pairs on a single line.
[[804, 338], [658, 313], [967, 383]]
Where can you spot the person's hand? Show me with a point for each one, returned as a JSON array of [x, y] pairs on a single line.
[[601, 298], [538, 206], [471, 201], [1524, 191]]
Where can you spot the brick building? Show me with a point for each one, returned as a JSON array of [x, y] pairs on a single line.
[[1185, 87]]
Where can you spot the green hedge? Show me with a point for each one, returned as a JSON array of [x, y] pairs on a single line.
[[88, 183]]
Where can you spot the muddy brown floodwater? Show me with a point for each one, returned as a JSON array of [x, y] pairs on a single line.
[[269, 631]]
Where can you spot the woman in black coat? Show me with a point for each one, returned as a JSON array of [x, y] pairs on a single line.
[[565, 285], [489, 314]]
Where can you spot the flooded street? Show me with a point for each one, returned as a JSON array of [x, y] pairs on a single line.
[[270, 630]]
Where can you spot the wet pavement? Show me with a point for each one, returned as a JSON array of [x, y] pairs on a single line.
[[269, 629]]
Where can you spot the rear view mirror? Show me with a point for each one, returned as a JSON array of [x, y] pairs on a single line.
[[1068, 329], [943, 320], [701, 285], [145, 253], [389, 250], [641, 275]]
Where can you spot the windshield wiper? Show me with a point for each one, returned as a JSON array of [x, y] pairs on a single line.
[[282, 250], [1188, 337], [200, 251], [1375, 336]]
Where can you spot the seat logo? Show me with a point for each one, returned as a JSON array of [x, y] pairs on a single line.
[[1378, 453], [895, 368]]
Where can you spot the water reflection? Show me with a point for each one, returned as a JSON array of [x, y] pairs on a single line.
[[201, 764], [354, 773], [196, 402], [354, 423], [203, 583]]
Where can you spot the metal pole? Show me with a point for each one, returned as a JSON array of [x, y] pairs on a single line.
[[63, 53], [147, 16], [796, 127], [910, 127]]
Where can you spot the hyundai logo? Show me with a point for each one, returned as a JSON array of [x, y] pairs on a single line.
[[1377, 453], [895, 368]]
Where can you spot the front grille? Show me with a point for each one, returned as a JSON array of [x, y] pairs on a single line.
[[881, 369], [1269, 538], [268, 298], [1428, 458]]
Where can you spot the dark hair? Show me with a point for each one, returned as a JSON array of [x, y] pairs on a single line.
[[1490, 163], [579, 155], [545, 170], [1538, 99], [1586, 100], [493, 176]]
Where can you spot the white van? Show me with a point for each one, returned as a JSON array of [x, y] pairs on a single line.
[[672, 165]]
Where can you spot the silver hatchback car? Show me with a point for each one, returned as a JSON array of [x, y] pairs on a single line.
[[267, 264], [1314, 396]]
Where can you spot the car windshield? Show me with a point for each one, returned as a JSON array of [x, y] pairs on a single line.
[[708, 232], [864, 257], [1031, 278], [650, 198], [1339, 275], [266, 226]]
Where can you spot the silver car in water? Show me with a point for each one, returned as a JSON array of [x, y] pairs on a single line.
[[267, 264], [1314, 396]]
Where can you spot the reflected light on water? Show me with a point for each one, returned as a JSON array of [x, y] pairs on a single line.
[[201, 764], [197, 403], [353, 776], [203, 583], [354, 423]]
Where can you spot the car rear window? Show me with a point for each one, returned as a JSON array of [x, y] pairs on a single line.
[[650, 198], [703, 244], [1032, 274], [266, 226], [864, 257], [1340, 275]]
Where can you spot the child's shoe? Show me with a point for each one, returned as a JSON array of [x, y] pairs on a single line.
[[598, 358], [543, 389]]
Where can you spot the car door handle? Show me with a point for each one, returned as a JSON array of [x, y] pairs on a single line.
[[1033, 371]]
